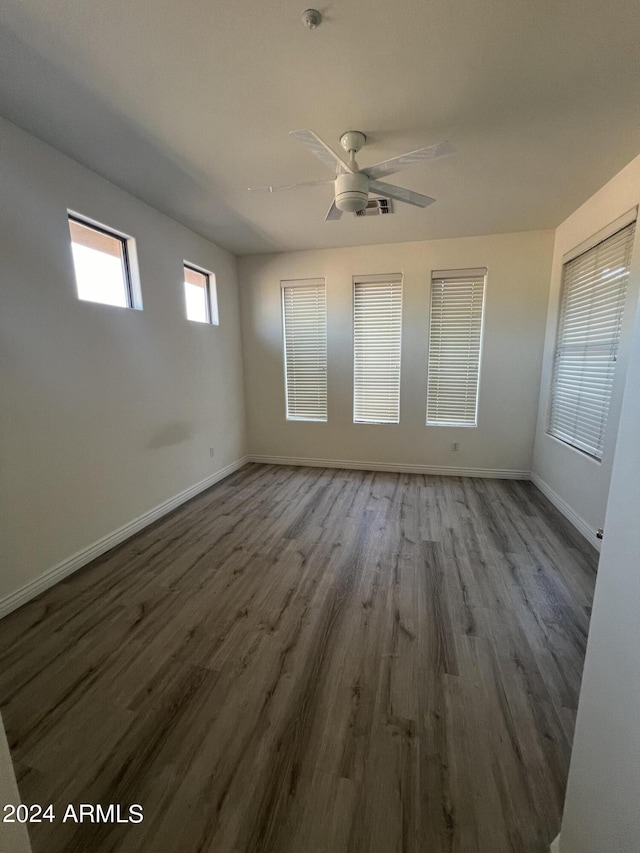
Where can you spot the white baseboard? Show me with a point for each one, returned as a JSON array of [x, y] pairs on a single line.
[[555, 845], [81, 558], [86, 555], [393, 467], [399, 468], [578, 522]]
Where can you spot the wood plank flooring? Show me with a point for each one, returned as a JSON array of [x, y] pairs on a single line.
[[310, 661]]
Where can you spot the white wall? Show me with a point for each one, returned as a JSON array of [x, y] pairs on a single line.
[[602, 807], [516, 298], [105, 412], [578, 480], [13, 836]]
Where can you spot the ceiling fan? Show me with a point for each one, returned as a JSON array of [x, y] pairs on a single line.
[[352, 184]]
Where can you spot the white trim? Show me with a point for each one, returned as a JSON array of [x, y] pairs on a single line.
[[555, 845], [86, 555], [392, 467], [571, 515]]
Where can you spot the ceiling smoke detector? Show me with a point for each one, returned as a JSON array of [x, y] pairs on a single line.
[[311, 18]]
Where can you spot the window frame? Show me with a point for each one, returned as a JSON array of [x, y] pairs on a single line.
[[211, 293], [623, 222], [396, 278], [127, 259], [300, 283], [453, 275]]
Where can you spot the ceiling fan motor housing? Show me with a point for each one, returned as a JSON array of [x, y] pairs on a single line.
[[352, 192]]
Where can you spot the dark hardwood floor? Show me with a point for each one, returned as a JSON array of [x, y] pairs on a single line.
[[310, 661]]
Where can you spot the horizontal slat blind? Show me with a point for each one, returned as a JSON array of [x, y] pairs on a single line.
[[304, 309], [377, 328], [594, 288], [455, 334]]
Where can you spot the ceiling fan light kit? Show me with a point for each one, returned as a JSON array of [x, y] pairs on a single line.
[[352, 185], [352, 192]]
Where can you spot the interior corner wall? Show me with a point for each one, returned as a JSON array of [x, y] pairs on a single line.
[[105, 412], [519, 267], [578, 481], [13, 836]]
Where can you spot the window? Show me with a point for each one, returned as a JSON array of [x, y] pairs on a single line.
[[200, 295], [377, 327], [455, 337], [304, 313], [102, 264], [594, 287]]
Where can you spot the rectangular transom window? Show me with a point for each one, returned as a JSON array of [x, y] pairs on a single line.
[[594, 288], [101, 264], [377, 333], [455, 337], [304, 319], [200, 295]]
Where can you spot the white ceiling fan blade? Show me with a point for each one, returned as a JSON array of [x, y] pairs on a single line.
[[400, 194], [389, 167], [333, 212], [272, 189], [321, 150]]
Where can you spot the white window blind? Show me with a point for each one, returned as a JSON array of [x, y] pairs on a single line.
[[594, 287], [377, 329], [304, 311], [455, 336]]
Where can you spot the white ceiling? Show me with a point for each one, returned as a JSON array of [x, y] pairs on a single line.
[[186, 103]]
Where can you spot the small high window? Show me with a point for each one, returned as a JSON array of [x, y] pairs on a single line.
[[200, 295], [102, 264]]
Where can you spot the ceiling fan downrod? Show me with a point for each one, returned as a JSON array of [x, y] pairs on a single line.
[[352, 188]]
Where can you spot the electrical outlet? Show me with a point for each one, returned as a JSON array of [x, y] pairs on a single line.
[[455, 446], [211, 452]]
